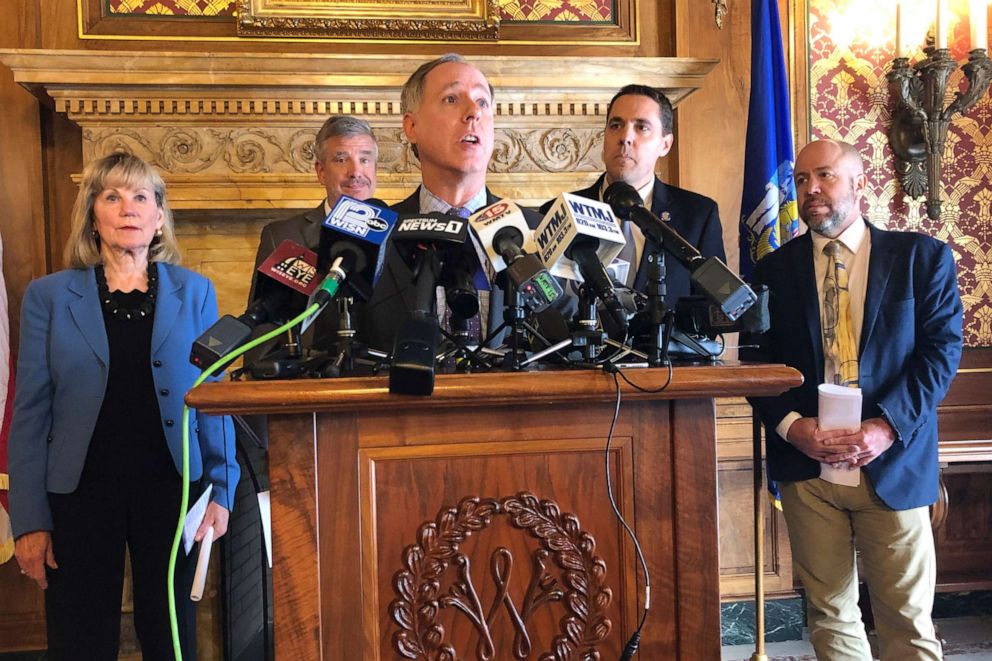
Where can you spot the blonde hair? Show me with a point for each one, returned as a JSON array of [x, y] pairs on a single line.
[[118, 169]]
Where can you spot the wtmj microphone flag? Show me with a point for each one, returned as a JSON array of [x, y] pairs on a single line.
[[769, 213]]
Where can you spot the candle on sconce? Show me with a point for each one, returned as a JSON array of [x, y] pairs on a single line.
[[940, 27], [979, 20], [900, 47]]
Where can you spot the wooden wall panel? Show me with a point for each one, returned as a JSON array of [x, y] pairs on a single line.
[[22, 624], [712, 123], [964, 542], [734, 451]]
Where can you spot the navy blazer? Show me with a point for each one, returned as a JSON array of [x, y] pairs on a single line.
[[695, 217], [62, 370], [909, 351]]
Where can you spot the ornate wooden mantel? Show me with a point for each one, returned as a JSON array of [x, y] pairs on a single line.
[[235, 130]]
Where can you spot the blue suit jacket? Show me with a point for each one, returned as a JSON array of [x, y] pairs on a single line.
[[909, 351], [62, 372], [695, 217]]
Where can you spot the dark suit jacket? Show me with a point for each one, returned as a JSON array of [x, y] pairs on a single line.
[[693, 216], [393, 301], [909, 351], [303, 229], [62, 373]]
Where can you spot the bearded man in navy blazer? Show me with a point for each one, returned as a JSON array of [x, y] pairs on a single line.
[[905, 324], [639, 122]]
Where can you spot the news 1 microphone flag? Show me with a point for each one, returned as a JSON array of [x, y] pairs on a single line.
[[769, 213], [6, 407]]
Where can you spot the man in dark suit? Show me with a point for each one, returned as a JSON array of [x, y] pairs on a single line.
[[891, 326], [639, 132], [344, 159], [447, 107]]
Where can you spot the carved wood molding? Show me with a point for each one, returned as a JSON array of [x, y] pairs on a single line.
[[579, 586], [240, 116], [241, 150]]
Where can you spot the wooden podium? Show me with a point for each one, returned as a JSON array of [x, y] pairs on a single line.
[[475, 523]]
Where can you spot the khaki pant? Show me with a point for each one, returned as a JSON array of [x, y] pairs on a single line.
[[826, 523]]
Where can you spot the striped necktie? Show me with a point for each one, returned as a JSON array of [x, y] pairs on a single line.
[[839, 342]]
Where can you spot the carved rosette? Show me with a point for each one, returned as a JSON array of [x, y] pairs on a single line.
[[580, 585]]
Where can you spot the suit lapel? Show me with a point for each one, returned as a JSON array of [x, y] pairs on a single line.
[[880, 264], [311, 233], [88, 315], [167, 306]]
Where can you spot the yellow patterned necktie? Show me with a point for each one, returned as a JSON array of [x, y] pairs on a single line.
[[838, 329]]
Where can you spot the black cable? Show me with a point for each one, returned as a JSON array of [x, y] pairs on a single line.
[[630, 649], [668, 381]]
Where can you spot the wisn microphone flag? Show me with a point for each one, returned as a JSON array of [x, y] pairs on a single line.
[[769, 213]]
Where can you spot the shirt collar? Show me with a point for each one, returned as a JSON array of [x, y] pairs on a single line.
[[430, 202], [851, 238]]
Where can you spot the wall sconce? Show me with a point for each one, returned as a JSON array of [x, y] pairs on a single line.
[[920, 120]]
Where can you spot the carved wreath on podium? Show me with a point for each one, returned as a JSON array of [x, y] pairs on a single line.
[[581, 590]]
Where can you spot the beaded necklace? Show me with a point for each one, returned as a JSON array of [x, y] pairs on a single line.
[[113, 307]]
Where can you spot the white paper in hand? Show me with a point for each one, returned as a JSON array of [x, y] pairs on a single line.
[[265, 512], [195, 517], [840, 408]]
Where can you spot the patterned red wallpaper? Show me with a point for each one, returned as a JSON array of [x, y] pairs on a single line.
[[850, 101], [191, 8], [559, 11]]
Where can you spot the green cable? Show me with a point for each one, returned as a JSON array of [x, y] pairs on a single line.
[[223, 361]]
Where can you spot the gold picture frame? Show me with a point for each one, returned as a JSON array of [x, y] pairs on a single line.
[[472, 20]]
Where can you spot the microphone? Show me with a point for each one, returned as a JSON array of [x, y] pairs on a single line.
[[507, 243], [290, 265], [356, 232], [576, 239], [710, 275], [427, 243], [698, 316], [445, 236]]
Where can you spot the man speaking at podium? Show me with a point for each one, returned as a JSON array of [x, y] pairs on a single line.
[[638, 133], [447, 107]]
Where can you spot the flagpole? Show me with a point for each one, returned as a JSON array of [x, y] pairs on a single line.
[[759, 543]]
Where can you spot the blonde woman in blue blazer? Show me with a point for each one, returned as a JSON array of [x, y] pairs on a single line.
[[96, 438]]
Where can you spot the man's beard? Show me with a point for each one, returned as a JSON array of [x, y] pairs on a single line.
[[829, 224], [825, 224]]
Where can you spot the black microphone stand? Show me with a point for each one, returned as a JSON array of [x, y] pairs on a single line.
[[514, 321], [464, 356], [659, 319], [587, 336], [346, 350]]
